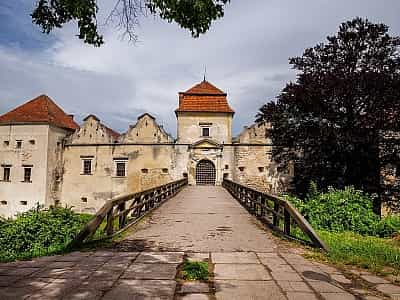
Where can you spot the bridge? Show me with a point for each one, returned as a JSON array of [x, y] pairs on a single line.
[[230, 227]]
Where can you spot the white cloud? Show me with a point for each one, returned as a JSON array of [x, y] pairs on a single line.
[[246, 54]]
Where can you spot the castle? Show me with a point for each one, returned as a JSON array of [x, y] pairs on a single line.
[[46, 158]]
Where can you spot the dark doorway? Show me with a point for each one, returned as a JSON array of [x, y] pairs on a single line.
[[205, 173]]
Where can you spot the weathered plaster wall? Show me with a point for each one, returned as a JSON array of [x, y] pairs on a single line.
[[253, 164], [147, 165], [189, 129], [31, 153]]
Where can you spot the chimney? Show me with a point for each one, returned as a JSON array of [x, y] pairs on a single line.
[[71, 116]]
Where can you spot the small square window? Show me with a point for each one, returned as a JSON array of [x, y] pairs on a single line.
[[226, 167], [6, 173], [3, 202], [6, 143], [19, 145], [32, 142], [27, 174], [120, 169], [84, 199], [23, 202], [165, 170], [260, 169], [87, 166], [205, 131], [241, 169], [185, 175], [145, 171]]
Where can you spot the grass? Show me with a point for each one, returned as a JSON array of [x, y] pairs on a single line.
[[195, 270], [380, 255]]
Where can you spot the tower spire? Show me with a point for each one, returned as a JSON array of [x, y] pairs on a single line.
[[205, 72]]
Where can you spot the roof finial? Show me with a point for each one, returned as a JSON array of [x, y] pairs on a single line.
[[205, 72]]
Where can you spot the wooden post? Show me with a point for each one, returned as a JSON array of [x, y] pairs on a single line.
[[275, 220], [286, 227], [122, 218], [110, 222]]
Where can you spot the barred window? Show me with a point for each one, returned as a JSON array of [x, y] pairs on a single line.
[[205, 131], [121, 169], [87, 166]]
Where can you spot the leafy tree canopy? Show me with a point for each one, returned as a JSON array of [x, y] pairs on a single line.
[[331, 120], [194, 15]]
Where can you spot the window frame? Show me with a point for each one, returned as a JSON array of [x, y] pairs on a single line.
[[26, 168], [6, 167], [84, 169], [18, 144], [208, 129], [117, 163]]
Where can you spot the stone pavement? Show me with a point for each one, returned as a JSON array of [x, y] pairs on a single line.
[[201, 223]]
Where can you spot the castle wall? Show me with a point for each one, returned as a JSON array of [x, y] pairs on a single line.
[[15, 194]]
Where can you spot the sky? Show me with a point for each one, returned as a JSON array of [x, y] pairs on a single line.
[[245, 53]]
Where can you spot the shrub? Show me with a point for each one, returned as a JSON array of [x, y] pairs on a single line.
[[388, 226], [39, 232], [339, 210]]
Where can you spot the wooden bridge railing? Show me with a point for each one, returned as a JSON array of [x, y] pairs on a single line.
[[279, 214], [119, 213]]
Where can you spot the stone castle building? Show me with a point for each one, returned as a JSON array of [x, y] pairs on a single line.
[[46, 158]]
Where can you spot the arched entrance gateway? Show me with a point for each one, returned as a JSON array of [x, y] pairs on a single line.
[[205, 173]]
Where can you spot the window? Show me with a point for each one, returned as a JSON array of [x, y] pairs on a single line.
[[23, 202], [185, 175], [6, 143], [226, 167], [145, 171], [32, 142], [19, 145], [3, 202], [87, 166], [165, 170], [84, 199], [27, 174], [261, 169], [120, 169], [241, 169], [226, 175], [205, 131], [6, 173]]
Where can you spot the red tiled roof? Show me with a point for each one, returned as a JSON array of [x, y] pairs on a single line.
[[204, 87], [42, 110], [204, 97]]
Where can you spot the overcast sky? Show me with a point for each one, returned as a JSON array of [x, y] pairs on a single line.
[[246, 54]]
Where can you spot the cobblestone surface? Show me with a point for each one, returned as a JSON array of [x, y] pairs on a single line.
[[200, 224]]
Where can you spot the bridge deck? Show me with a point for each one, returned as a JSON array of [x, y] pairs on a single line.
[[201, 223], [201, 219]]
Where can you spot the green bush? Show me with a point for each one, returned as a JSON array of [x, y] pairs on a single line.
[[39, 232], [344, 210], [195, 270]]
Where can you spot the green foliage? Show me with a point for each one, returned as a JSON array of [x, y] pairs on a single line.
[[194, 15], [346, 94], [39, 232], [344, 210], [195, 270], [364, 251]]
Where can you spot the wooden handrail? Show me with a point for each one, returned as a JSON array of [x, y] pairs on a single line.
[[272, 210], [127, 209]]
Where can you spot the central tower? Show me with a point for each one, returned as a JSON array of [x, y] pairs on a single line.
[[204, 124]]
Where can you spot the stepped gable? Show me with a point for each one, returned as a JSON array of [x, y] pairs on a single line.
[[41, 109], [204, 97]]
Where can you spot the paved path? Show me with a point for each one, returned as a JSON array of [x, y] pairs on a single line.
[[200, 223]]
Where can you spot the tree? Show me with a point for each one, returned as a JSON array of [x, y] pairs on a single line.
[[194, 15], [331, 119]]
